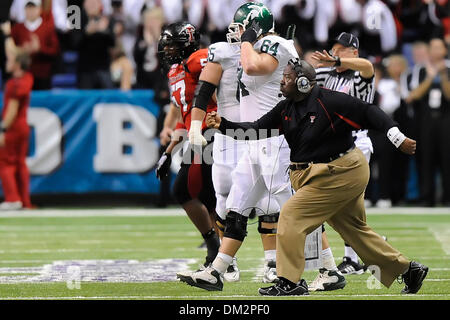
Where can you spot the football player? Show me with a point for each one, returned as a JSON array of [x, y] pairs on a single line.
[[259, 181], [179, 44]]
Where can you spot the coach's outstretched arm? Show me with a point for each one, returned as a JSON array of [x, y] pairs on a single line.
[[266, 124]]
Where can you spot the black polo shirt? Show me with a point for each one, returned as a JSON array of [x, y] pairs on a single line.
[[318, 127]]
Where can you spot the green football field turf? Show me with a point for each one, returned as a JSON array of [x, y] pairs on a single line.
[[134, 254]]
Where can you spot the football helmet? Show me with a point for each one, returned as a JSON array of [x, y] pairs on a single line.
[[177, 42], [245, 15]]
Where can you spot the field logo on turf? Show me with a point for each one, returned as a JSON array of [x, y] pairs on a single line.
[[73, 272], [373, 282]]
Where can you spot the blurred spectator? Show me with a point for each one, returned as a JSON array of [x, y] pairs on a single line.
[[420, 52], [122, 71], [127, 15], [221, 12], [379, 31], [37, 37], [348, 18], [430, 88], [14, 132], [410, 79], [422, 19], [325, 17], [301, 13], [4, 23], [392, 169], [146, 50], [190, 10], [94, 41]]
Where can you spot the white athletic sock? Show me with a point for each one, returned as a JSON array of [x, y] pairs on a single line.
[[349, 252], [270, 255], [221, 262], [328, 259]]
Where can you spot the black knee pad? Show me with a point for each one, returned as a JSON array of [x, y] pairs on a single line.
[[323, 228], [272, 218], [235, 226]]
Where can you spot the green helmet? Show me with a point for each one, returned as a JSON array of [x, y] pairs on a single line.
[[245, 15]]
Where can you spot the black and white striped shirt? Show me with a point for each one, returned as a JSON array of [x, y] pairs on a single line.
[[349, 81]]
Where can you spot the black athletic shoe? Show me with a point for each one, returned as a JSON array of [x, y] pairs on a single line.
[[414, 277], [286, 288], [348, 266]]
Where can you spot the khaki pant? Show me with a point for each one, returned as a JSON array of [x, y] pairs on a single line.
[[333, 192]]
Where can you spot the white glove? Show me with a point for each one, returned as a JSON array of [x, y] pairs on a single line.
[[195, 134]]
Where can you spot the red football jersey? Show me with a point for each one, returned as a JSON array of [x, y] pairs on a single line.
[[20, 89], [183, 78]]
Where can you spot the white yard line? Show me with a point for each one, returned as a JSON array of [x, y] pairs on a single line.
[[442, 235], [154, 212]]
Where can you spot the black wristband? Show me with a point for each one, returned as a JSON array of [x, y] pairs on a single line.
[[338, 62], [249, 35], [203, 93]]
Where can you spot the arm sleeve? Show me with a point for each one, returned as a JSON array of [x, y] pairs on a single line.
[[267, 126], [361, 115]]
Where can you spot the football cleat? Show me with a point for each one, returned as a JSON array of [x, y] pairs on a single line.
[[232, 274], [414, 277], [285, 288], [348, 266], [207, 279], [328, 280], [270, 272]]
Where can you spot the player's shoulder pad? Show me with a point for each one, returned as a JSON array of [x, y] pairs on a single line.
[[221, 51], [197, 60], [278, 47]]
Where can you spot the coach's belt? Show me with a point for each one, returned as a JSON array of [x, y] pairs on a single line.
[[304, 165]]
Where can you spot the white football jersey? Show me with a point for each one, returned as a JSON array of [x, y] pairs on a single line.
[[228, 56], [259, 94]]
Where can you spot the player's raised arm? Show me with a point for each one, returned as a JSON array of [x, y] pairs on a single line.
[[255, 63]]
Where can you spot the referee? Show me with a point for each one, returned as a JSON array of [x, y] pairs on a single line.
[[329, 176], [343, 70]]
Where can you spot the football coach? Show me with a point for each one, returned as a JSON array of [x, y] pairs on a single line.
[[329, 176]]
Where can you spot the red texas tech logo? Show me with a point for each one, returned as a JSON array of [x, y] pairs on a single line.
[[190, 31]]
